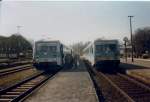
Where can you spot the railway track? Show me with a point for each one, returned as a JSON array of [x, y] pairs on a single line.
[[119, 87], [21, 90], [4, 65], [14, 70], [137, 91]]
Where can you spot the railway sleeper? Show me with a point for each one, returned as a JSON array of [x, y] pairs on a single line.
[[5, 100], [23, 87], [27, 85], [138, 94], [134, 90], [118, 94], [19, 90], [141, 85], [130, 85], [126, 85], [13, 92], [130, 88], [140, 99], [8, 96]]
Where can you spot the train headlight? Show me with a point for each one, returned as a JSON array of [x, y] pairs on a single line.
[[97, 59], [37, 60]]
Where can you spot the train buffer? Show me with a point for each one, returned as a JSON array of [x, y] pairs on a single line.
[[69, 85]]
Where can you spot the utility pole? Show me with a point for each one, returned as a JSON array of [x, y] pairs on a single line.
[[18, 29], [130, 18], [18, 32]]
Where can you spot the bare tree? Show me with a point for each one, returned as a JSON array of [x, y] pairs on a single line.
[[141, 40], [14, 44], [78, 47]]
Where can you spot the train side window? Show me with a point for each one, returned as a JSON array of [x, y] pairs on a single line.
[[91, 50]]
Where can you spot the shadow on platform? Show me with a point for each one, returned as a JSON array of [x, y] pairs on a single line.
[[74, 69], [123, 67], [80, 68]]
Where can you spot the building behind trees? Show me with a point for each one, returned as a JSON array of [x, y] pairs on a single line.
[[14, 46], [141, 42]]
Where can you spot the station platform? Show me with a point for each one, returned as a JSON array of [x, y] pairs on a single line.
[[69, 85], [139, 69], [137, 62]]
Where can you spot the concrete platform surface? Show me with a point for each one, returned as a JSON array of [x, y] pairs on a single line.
[[67, 86], [138, 62]]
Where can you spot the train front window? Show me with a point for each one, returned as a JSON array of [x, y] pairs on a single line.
[[43, 48], [52, 49], [106, 49], [46, 50], [112, 47], [100, 48]]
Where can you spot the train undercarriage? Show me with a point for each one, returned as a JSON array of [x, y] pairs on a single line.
[[110, 66], [47, 66]]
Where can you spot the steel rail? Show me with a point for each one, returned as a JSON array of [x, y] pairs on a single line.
[[14, 70], [19, 91], [121, 88], [113, 88], [134, 89]]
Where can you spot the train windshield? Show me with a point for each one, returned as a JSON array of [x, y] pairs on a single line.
[[109, 49], [44, 50]]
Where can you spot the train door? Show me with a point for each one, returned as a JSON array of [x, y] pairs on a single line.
[[61, 54]]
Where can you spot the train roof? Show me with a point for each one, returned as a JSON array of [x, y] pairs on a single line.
[[54, 41], [99, 40], [47, 41]]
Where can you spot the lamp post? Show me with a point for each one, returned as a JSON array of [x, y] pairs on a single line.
[[130, 18]]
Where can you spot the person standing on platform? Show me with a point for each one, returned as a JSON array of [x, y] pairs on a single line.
[[76, 61]]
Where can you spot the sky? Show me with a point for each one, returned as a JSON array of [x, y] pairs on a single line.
[[73, 21]]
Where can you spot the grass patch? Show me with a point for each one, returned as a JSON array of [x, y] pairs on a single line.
[[10, 79]]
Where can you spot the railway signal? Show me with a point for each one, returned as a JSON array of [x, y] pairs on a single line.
[[125, 39]]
